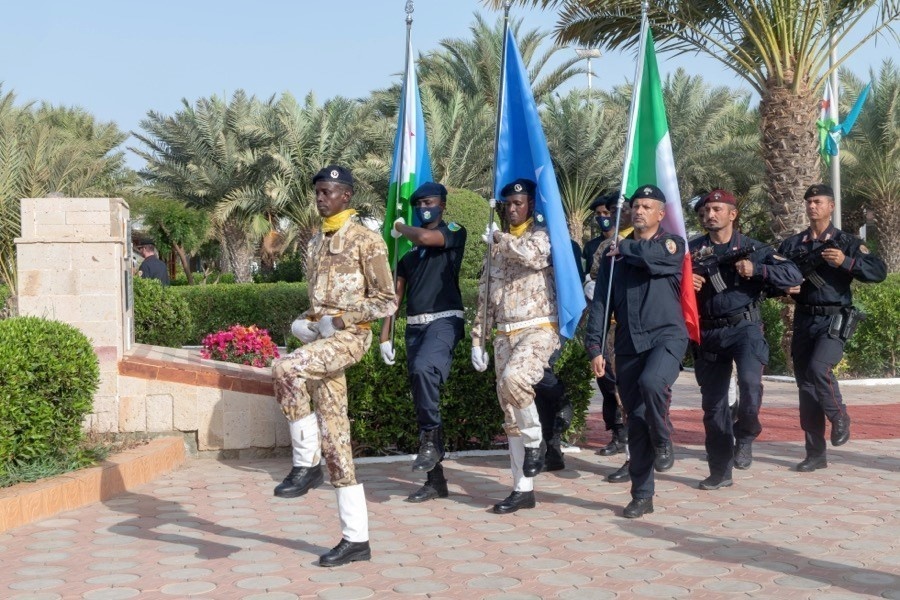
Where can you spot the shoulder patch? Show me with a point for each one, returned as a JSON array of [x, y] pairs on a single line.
[[779, 257], [863, 249], [671, 247], [453, 226]]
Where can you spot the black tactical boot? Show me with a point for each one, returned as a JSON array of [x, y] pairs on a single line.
[[638, 507], [346, 552], [514, 502], [665, 457], [840, 430], [534, 460], [620, 475], [429, 453], [743, 455], [299, 481], [554, 461], [617, 444], [435, 486]]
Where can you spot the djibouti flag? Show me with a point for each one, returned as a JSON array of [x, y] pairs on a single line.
[[411, 165], [649, 159]]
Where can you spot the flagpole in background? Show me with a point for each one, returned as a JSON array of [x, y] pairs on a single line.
[[493, 202], [836, 161]]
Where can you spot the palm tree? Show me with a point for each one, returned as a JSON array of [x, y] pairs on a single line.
[[780, 49], [871, 155], [209, 154]]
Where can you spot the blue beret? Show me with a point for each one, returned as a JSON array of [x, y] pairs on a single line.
[[335, 173], [519, 186], [647, 191], [609, 200], [428, 190], [819, 189]]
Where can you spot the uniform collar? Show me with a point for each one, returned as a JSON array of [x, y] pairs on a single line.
[[829, 233]]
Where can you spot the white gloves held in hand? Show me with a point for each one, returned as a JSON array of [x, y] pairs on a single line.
[[488, 236], [304, 330], [589, 285], [394, 233], [388, 354], [480, 359], [326, 327]]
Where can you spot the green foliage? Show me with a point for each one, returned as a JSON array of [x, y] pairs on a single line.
[[875, 348], [773, 328], [48, 376], [161, 315], [289, 268], [471, 211], [270, 306]]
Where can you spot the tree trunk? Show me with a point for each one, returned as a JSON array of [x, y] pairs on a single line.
[[790, 153], [236, 251], [887, 223], [185, 263]]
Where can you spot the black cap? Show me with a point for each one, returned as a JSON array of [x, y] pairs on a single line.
[[519, 186], [428, 190], [647, 191], [335, 173], [143, 240], [609, 200], [819, 189]]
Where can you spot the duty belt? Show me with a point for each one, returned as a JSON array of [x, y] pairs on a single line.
[[510, 327], [752, 314], [817, 309], [427, 318]]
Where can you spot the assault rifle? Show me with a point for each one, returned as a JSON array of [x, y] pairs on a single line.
[[810, 260], [707, 263]]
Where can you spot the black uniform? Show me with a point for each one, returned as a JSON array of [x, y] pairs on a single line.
[[432, 286], [731, 332], [814, 350], [651, 338], [154, 268]]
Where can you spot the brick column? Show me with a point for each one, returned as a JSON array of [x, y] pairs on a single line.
[[74, 265]]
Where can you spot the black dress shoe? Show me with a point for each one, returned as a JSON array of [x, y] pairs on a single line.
[[612, 448], [435, 486], [840, 430], [621, 475], [638, 507], [714, 482], [811, 463], [299, 481], [514, 502], [534, 460], [743, 455], [428, 455], [665, 457], [346, 552]]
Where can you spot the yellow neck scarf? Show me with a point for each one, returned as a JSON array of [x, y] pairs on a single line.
[[335, 222], [518, 230]]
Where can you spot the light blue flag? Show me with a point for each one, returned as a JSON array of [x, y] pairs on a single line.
[[522, 152]]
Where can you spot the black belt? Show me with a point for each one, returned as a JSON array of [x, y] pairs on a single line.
[[815, 309], [751, 314]]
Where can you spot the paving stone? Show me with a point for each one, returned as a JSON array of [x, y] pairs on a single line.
[[111, 594], [660, 591], [346, 593], [564, 579], [406, 572], [493, 583], [587, 594], [272, 596], [421, 587], [262, 583], [189, 588]]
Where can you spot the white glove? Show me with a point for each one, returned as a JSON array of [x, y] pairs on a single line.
[[589, 285], [488, 236], [394, 233], [388, 354], [326, 327], [480, 359], [304, 330]]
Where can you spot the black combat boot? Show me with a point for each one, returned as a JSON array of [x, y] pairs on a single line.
[[435, 486], [346, 552], [534, 460], [617, 444], [299, 481], [429, 455], [620, 475], [554, 461]]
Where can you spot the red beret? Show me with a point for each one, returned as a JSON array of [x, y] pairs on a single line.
[[716, 195]]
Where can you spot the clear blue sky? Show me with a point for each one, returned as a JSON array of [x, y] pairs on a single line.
[[120, 58]]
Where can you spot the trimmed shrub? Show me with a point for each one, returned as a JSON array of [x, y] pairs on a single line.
[[773, 329], [471, 211], [270, 306], [161, 315], [874, 350], [48, 376]]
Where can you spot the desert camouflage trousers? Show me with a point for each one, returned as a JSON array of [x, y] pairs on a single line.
[[519, 360], [315, 373]]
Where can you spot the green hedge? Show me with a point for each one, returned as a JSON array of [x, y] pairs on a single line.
[[874, 351], [48, 376], [471, 211], [161, 315]]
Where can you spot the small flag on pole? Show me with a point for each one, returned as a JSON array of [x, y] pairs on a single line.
[[830, 131], [522, 152]]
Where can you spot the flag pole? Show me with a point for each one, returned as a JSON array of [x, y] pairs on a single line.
[[626, 163], [399, 198], [493, 202], [836, 159]]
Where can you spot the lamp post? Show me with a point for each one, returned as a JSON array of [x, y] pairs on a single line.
[[588, 53]]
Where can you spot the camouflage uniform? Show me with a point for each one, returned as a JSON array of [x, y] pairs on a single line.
[[348, 275], [522, 289]]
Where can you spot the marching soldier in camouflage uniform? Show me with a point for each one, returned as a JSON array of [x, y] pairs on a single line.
[[350, 286], [522, 307]]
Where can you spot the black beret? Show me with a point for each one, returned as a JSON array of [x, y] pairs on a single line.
[[427, 190], [647, 191], [609, 200], [335, 173], [519, 186], [819, 189], [143, 240]]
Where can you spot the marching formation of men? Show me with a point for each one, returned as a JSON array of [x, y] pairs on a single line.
[[634, 321]]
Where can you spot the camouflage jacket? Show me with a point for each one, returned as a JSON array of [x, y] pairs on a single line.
[[347, 274], [522, 286]]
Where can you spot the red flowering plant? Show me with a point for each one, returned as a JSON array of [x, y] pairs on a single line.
[[241, 345]]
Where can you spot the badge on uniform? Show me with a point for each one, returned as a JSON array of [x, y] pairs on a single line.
[[779, 257], [863, 249], [671, 246], [539, 218], [453, 226]]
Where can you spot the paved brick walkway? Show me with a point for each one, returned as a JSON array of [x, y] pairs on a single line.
[[213, 529]]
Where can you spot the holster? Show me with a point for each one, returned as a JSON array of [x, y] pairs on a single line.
[[852, 317]]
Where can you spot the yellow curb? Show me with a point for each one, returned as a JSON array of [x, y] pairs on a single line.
[[28, 502]]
